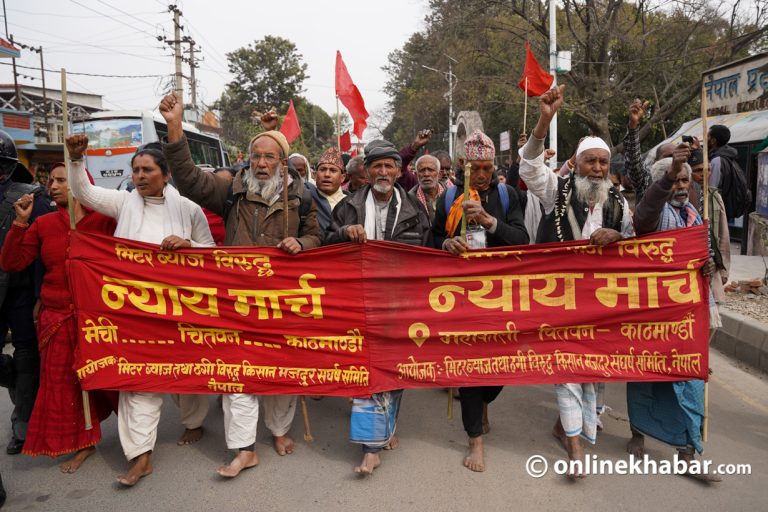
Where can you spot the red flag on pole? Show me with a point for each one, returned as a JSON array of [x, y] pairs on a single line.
[[346, 141], [539, 81], [350, 96], [290, 127]]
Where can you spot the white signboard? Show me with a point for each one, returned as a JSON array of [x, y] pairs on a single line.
[[504, 141], [740, 87]]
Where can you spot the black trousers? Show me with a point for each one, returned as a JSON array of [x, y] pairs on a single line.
[[16, 315], [472, 400]]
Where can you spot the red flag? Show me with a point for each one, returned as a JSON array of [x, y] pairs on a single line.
[[350, 96], [539, 81], [290, 127], [345, 141]]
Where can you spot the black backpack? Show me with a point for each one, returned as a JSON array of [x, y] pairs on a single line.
[[737, 197]]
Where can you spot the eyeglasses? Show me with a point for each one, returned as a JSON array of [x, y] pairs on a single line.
[[448, 168], [268, 157]]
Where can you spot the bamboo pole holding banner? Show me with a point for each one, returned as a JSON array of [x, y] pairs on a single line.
[[705, 186], [71, 209], [525, 109]]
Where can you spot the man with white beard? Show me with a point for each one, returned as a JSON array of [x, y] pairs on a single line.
[[582, 205], [253, 210]]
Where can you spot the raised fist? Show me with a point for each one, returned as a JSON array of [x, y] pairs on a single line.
[[77, 144], [637, 110], [171, 109]]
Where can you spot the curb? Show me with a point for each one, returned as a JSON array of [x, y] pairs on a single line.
[[743, 338]]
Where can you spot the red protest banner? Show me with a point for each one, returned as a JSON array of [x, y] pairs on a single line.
[[356, 319]]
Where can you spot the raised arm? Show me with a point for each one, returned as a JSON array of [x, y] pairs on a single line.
[[105, 201], [22, 243], [541, 181], [633, 166], [205, 188]]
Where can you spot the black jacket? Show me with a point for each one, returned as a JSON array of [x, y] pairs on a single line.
[[412, 224], [510, 229]]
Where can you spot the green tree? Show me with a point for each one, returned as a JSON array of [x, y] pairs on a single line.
[[268, 74], [620, 50]]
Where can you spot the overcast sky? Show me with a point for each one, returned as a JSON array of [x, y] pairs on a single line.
[[94, 36]]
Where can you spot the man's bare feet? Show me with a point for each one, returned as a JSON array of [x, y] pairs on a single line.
[[701, 477], [636, 445], [486, 423], [140, 467], [559, 433], [575, 452], [190, 436], [393, 443], [243, 460], [75, 462], [475, 459], [370, 462], [283, 445]]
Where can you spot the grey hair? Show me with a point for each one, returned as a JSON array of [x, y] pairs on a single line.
[[661, 167], [354, 163], [426, 157]]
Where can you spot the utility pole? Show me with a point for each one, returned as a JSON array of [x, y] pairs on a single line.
[[553, 72], [192, 66], [16, 87], [451, 60], [15, 79], [45, 96], [177, 50], [449, 96]]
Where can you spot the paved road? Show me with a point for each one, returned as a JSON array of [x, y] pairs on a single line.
[[424, 473]]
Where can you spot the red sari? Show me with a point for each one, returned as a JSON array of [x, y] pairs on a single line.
[[57, 425]]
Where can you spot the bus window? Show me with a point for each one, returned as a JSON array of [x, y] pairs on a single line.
[[162, 131], [110, 133]]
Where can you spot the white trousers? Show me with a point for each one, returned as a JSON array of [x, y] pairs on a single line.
[[193, 409], [241, 416], [137, 416]]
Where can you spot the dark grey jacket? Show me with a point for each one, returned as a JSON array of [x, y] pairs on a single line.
[[412, 224]]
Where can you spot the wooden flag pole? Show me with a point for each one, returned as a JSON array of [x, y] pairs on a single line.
[[467, 168], [525, 109], [305, 413], [71, 210], [338, 124], [705, 186]]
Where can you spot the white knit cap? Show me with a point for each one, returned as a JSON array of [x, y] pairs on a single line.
[[592, 143]]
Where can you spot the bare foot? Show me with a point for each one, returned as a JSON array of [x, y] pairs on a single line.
[[701, 477], [243, 460], [370, 462], [140, 467], [393, 443], [283, 445], [559, 433], [575, 452], [486, 423], [636, 445], [475, 459], [190, 436], [74, 463]]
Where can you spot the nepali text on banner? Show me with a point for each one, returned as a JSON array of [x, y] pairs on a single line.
[[356, 319]]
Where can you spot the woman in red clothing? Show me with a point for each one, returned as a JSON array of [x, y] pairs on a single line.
[[57, 425]]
